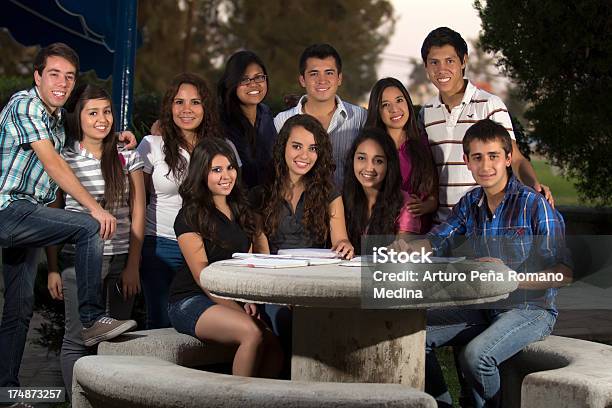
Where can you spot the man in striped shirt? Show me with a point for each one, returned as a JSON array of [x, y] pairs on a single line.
[[504, 221], [320, 76], [447, 116], [31, 137]]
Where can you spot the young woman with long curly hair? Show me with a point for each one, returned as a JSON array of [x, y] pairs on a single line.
[[300, 207]]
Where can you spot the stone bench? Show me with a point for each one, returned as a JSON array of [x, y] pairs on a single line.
[[132, 381], [559, 372], [169, 345]]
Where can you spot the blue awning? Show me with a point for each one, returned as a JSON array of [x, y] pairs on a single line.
[[103, 33]]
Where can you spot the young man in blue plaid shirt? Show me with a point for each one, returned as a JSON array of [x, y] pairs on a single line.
[[503, 221], [31, 137]]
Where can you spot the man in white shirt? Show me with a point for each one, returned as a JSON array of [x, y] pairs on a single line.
[[321, 76]]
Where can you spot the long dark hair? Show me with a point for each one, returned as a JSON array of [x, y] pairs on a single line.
[[228, 102], [110, 164], [389, 199], [172, 134], [422, 178], [198, 203], [318, 183]]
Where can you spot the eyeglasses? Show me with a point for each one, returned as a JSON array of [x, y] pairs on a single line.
[[257, 79]]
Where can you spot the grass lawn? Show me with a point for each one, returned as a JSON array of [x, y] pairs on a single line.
[[563, 190]]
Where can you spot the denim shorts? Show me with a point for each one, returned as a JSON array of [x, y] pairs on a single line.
[[184, 313]]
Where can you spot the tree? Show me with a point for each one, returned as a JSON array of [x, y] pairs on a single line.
[[560, 55], [278, 31], [178, 36], [16, 59]]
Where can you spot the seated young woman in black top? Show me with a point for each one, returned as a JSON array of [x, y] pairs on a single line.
[[213, 223], [372, 184]]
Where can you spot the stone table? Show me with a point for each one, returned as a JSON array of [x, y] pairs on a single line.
[[334, 338]]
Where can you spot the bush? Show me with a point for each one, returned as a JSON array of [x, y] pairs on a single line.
[[10, 85]]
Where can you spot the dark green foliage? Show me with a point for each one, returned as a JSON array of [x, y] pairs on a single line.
[[278, 31], [145, 112], [10, 85], [560, 54]]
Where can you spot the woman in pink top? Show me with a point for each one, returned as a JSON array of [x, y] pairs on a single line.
[[390, 109]]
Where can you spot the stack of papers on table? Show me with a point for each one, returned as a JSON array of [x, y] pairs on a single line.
[[311, 256], [358, 261], [261, 262], [448, 259], [309, 253], [314, 256]]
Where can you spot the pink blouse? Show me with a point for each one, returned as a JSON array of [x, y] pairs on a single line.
[[407, 222]]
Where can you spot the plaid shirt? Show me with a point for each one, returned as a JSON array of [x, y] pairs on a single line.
[[22, 176], [524, 231]]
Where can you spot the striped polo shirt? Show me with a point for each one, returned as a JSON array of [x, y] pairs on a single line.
[[347, 121], [24, 120], [87, 169], [445, 131]]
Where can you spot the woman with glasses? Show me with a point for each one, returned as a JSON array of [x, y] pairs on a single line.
[[248, 122]]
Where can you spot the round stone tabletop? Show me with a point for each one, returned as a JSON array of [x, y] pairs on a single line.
[[341, 286]]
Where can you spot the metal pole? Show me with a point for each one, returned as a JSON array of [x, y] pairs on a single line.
[[123, 67]]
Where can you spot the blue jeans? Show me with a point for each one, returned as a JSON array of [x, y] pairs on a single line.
[[73, 347], [185, 313], [24, 228], [490, 337], [161, 258]]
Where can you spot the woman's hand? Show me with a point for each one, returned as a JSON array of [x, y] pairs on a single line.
[[344, 248], [418, 207], [54, 284], [130, 282], [251, 309]]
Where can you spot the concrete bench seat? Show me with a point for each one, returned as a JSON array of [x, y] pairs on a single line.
[[169, 345], [132, 381], [559, 372]]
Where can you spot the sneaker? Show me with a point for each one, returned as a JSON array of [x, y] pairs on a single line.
[[105, 328]]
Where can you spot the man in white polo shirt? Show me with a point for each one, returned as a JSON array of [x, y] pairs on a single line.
[[447, 116], [320, 76]]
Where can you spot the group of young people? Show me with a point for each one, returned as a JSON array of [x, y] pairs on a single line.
[[221, 175]]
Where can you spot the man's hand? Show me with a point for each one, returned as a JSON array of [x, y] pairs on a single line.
[[545, 190], [108, 223], [128, 139], [401, 245]]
